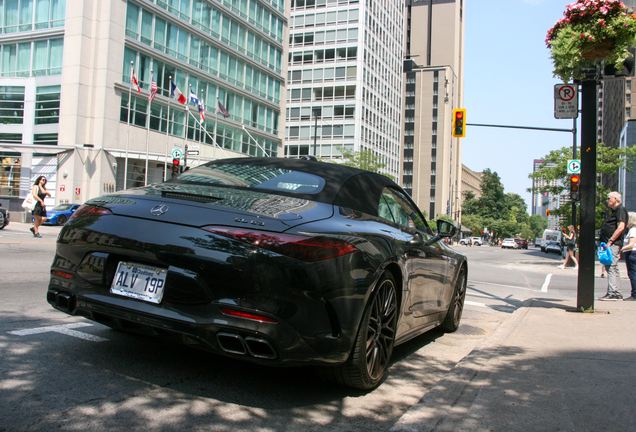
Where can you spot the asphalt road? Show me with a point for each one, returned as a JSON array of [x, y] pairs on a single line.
[[66, 373]]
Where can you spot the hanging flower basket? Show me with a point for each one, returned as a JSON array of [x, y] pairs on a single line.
[[591, 32], [599, 50]]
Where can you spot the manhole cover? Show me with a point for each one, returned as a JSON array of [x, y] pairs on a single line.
[[469, 330]]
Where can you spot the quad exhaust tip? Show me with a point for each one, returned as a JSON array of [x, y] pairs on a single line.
[[255, 347]]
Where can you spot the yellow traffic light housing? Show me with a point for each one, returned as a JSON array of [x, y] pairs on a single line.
[[459, 123], [547, 212]]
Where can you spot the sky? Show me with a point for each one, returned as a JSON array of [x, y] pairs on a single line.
[[508, 81]]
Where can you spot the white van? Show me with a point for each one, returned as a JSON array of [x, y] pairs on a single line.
[[550, 235]]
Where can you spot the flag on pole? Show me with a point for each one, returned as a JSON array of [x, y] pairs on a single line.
[[202, 111], [193, 98], [153, 89], [135, 83], [174, 91], [223, 111]]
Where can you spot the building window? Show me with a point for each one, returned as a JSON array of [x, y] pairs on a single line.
[[47, 105], [628, 112], [10, 172], [11, 105], [45, 139], [9, 138], [35, 58]]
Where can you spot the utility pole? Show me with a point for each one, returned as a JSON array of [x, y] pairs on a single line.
[[585, 290]]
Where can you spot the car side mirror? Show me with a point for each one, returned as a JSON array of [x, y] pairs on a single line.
[[444, 229]]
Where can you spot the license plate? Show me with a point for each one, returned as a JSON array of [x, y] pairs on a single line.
[[139, 281]]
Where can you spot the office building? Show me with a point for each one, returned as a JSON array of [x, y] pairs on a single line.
[[344, 83], [432, 158], [65, 86]]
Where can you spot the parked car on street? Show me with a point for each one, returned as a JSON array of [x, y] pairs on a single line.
[[537, 242], [276, 261], [509, 244], [5, 217], [553, 246], [476, 241], [61, 213], [523, 244]]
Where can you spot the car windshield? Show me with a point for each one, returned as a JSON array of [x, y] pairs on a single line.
[[258, 177], [508, 240], [62, 207]]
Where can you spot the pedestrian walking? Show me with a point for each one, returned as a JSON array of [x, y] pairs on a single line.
[[570, 248], [39, 212], [612, 234], [629, 252]]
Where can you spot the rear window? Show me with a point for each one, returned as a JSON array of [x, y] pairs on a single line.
[[257, 177]]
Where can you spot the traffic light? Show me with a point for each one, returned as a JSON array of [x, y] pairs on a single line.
[[575, 182], [547, 212], [459, 123], [175, 167]]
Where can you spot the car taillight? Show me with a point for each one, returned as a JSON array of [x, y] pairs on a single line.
[[62, 274], [309, 249], [89, 210], [246, 315]]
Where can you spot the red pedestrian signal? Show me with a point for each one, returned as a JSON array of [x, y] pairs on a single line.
[[575, 183], [459, 123]]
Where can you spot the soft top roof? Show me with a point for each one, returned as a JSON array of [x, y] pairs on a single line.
[[344, 186]]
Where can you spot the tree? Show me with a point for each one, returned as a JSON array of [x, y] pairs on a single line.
[[537, 224], [555, 179], [503, 214], [362, 159], [491, 203]]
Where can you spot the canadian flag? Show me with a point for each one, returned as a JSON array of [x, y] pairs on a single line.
[[174, 91], [135, 83]]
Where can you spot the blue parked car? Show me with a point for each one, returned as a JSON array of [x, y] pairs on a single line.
[[59, 214]]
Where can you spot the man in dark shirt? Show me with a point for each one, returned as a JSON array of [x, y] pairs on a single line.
[[612, 234]]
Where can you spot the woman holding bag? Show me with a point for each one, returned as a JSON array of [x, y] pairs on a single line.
[[571, 247], [39, 212]]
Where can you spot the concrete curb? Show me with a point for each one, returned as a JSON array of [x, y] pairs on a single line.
[[437, 404]]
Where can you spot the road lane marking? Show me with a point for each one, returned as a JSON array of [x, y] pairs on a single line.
[[472, 303], [63, 329], [544, 288], [473, 294], [506, 286]]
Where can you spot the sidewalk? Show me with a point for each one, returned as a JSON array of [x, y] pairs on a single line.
[[546, 368]]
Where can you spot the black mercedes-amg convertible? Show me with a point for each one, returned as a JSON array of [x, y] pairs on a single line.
[[275, 261]]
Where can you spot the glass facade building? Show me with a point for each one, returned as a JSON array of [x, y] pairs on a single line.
[[66, 98], [344, 82]]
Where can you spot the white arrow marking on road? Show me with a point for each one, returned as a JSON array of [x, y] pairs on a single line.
[[544, 288], [63, 329]]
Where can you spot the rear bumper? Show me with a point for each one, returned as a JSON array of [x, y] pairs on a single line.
[[274, 344]]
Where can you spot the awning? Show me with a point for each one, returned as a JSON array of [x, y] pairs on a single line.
[[465, 229]]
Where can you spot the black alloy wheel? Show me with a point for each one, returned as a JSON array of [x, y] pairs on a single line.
[[456, 307], [61, 220], [369, 360]]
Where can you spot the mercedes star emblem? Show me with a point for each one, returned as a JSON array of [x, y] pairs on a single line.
[[159, 210]]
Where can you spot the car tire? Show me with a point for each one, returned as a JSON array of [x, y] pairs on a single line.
[[61, 220], [369, 360], [456, 307]]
